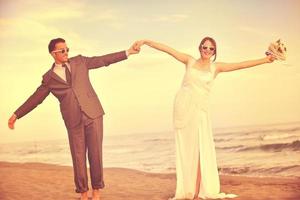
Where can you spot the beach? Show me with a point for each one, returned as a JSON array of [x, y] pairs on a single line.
[[258, 163], [47, 181]]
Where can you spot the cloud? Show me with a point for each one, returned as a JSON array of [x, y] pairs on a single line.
[[27, 27], [24, 28], [33, 20], [173, 18], [256, 31], [27, 38], [109, 17], [34, 9]]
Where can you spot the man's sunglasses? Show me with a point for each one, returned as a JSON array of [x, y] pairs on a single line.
[[61, 51], [210, 48]]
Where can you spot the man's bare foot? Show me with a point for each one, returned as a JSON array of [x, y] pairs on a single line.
[[96, 194], [84, 196]]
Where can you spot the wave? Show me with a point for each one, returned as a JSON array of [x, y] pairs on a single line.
[[222, 139], [261, 130], [234, 170], [158, 140], [276, 136], [288, 170], [276, 147], [232, 148], [294, 146]]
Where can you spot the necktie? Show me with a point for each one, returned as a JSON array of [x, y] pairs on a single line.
[[68, 74]]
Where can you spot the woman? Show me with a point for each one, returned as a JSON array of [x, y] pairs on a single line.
[[196, 166]]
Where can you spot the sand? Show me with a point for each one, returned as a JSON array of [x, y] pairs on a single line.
[[45, 181]]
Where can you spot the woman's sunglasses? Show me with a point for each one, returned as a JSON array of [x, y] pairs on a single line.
[[210, 48], [61, 51]]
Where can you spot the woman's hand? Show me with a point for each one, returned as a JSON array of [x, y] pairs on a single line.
[[140, 43], [270, 58]]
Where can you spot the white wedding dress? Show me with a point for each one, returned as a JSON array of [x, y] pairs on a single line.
[[194, 138]]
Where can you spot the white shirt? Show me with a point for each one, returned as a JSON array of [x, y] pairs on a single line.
[[60, 70]]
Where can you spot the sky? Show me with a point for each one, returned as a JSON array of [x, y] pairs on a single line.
[[138, 94]]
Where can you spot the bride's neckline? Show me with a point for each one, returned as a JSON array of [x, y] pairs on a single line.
[[203, 69]]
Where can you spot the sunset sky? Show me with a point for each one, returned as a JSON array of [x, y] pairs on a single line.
[[137, 94]]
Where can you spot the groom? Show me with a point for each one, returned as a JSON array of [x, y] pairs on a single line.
[[68, 81]]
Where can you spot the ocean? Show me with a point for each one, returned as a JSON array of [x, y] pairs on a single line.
[[269, 150]]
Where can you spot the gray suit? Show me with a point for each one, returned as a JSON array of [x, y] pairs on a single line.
[[82, 113]]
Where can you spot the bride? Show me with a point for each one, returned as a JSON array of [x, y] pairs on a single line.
[[196, 166]]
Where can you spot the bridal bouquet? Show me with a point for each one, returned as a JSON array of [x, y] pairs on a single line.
[[277, 49]]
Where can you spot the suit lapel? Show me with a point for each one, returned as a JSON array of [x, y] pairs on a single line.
[[58, 82], [72, 70], [56, 77]]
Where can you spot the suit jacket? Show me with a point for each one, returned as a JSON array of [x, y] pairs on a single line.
[[77, 97]]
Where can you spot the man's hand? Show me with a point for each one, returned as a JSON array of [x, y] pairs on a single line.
[[11, 121], [134, 49]]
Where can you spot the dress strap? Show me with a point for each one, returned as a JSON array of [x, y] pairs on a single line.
[[191, 62]]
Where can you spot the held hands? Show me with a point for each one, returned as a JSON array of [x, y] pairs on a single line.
[[11, 121], [134, 49], [141, 43]]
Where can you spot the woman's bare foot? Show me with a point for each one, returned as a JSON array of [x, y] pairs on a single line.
[[96, 194], [84, 196]]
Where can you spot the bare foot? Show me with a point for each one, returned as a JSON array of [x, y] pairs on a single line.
[[96, 194], [84, 196]]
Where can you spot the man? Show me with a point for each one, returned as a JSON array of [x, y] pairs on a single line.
[[80, 107]]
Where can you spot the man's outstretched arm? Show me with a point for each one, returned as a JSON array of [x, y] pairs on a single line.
[[32, 102], [105, 60]]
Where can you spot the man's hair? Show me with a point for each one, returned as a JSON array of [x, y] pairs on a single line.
[[53, 42]]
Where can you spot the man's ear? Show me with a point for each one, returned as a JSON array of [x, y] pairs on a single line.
[[53, 55]]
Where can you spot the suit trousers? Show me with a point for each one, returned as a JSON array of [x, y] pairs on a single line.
[[86, 138]]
